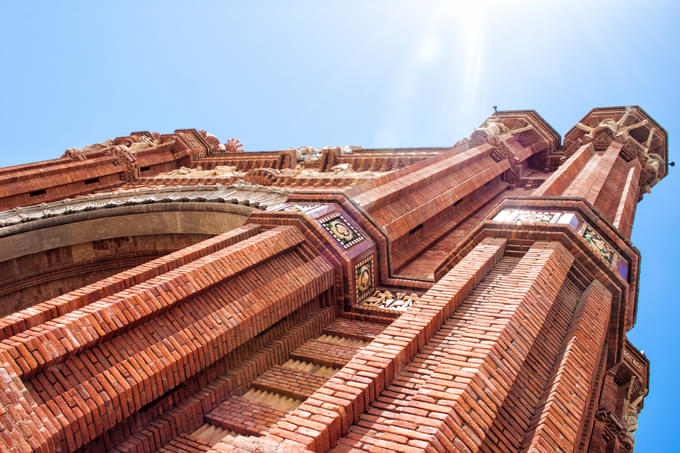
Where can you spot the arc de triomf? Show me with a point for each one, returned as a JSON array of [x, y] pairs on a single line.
[[168, 292]]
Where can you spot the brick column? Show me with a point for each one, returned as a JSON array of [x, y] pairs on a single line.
[[557, 426], [462, 396], [590, 181], [625, 211], [565, 174]]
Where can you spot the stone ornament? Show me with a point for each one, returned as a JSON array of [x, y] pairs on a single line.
[[199, 172], [383, 298], [640, 137], [235, 194]]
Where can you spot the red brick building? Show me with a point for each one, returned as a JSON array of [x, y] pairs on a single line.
[[171, 293]]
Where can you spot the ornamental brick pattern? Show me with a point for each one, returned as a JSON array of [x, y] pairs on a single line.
[[509, 253]]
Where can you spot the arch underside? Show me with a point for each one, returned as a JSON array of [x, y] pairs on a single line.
[[49, 251]]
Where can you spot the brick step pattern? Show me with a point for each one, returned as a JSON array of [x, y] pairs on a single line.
[[372, 314], [352, 328], [243, 366], [288, 381], [212, 434], [245, 415], [185, 443], [314, 368], [326, 350]]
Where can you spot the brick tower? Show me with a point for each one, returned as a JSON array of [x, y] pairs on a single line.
[[172, 293]]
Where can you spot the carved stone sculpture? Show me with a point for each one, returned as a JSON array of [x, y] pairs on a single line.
[[616, 128], [385, 299], [125, 158]]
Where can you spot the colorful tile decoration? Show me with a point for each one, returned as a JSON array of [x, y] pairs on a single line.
[[342, 230], [363, 274], [594, 240]]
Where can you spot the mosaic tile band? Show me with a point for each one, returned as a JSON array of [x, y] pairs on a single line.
[[342, 230], [587, 232]]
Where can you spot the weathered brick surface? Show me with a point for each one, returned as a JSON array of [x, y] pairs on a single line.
[[325, 353], [107, 371], [558, 182], [489, 338], [236, 370], [403, 203], [185, 443]]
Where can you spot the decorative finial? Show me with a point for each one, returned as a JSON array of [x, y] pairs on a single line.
[[495, 109], [234, 146], [672, 164]]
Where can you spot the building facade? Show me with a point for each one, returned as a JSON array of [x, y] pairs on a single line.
[[173, 293]]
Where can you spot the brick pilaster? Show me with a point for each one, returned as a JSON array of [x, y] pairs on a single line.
[[558, 425], [328, 413]]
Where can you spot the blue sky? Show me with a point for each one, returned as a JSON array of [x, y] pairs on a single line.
[[282, 74]]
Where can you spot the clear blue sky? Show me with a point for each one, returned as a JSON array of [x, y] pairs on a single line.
[[317, 73]]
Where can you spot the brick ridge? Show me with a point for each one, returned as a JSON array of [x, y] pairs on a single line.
[[53, 340], [78, 298], [163, 357], [530, 307], [580, 353], [183, 416], [416, 177]]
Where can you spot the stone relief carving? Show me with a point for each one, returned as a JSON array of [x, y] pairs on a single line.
[[132, 143], [307, 153], [652, 171], [125, 158], [383, 298], [74, 154], [647, 152], [340, 170], [616, 128], [198, 172], [494, 127], [79, 154], [239, 193], [633, 408]]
